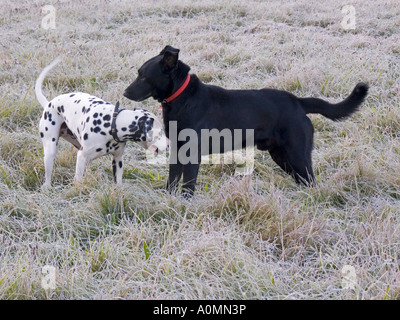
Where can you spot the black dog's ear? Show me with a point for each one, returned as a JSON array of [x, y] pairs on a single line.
[[170, 57], [169, 48]]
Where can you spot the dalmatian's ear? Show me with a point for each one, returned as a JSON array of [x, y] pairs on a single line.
[[145, 124], [149, 130]]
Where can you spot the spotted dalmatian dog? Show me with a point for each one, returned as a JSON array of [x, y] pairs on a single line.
[[94, 127]]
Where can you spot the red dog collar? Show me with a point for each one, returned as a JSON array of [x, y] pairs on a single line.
[[179, 91]]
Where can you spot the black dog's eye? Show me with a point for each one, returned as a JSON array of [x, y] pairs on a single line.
[[141, 76]]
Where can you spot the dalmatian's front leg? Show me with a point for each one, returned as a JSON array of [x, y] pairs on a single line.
[[117, 165]]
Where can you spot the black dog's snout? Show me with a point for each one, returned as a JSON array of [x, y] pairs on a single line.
[[134, 95], [129, 93]]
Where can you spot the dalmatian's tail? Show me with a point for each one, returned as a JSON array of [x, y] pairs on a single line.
[[39, 82]]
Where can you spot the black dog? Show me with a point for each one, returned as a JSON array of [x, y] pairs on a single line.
[[277, 117]]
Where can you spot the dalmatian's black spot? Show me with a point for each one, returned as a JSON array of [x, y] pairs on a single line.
[[96, 122], [54, 139], [107, 124], [60, 109], [87, 119], [53, 123], [45, 128], [71, 95], [108, 144], [107, 117], [49, 104], [95, 115], [41, 135], [120, 164], [103, 133], [96, 129], [85, 136], [83, 110], [114, 167], [133, 127], [123, 128], [98, 149]]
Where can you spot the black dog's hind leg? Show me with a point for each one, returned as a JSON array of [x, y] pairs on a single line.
[[294, 155], [294, 165], [300, 162], [278, 154]]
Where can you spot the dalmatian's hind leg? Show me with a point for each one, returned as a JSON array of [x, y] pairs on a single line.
[[82, 160], [49, 132], [67, 135]]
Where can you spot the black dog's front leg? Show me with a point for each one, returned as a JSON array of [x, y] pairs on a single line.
[[190, 172], [175, 173]]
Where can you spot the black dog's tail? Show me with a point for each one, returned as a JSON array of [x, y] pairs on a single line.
[[338, 111]]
